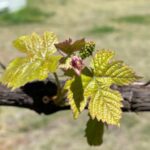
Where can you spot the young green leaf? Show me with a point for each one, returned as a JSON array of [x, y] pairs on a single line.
[[38, 62], [104, 66], [94, 132], [75, 95], [105, 104]]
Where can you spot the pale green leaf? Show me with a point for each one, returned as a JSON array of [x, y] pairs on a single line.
[[104, 66], [94, 132], [36, 44], [37, 64], [105, 103]]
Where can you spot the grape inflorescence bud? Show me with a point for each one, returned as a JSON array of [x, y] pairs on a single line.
[[87, 50]]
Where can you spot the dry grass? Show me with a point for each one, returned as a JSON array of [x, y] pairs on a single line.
[[113, 24]]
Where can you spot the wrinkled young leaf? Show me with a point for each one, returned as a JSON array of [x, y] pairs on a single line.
[[105, 103], [104, 66], [94, 132], [75, 95], [37, 63], [68, 47]]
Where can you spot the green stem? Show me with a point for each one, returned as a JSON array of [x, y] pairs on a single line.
[[57, 81]]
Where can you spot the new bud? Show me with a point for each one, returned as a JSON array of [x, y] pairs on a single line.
[[77, 64]]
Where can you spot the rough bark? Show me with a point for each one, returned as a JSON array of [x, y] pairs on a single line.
[[38, 96]]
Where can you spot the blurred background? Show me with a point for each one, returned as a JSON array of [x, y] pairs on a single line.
[[122, 26]]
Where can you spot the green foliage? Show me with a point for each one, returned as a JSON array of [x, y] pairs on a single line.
[[38, 62], [105, 103], [94, 132], [87, 87], [62, 2], [135, 19], [26, 15], [102, 30]]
